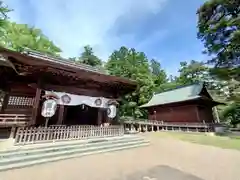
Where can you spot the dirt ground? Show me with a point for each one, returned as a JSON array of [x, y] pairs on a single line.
[[165, 159]]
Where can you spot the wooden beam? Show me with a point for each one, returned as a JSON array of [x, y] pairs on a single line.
[[99, 117], [107, 119], [36, 105], [78, 91], [60, 114]]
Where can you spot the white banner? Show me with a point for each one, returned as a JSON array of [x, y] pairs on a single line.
[[74, 100]]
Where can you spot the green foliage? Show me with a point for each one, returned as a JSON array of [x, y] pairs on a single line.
[[219, 29], [192, 72], [3, 12], [20, 36], [231, 114], [159, 75], [88, 57], [129, 63], [3, 17], [166, 86], [218, 25]]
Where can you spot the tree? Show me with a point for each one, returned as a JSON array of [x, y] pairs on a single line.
[[129, 63], [3, 17], [192, 72], [231, 114], [20, 37], [219, 29], [3, 13], [196, 71], [170, 85], [88, 57], [158, 73]]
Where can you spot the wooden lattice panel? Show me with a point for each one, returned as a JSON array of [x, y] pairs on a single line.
[[20, 101]]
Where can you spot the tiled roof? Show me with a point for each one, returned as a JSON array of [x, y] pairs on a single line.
[[67, 62], [176, 95]]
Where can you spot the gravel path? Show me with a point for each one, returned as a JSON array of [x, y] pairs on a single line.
[[165, 159]]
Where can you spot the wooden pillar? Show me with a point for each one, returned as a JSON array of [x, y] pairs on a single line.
[[99, 118], [13, 132], [5, 102], [60, 115], [217, 120], [116, 120], [107, 119], [36, 106], [131, 127]]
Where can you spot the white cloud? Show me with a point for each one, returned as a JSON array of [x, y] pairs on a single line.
[[71, 24]]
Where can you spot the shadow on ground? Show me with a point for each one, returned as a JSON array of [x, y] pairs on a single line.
[[160, 173]]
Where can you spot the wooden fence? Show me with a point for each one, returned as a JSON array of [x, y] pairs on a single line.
[[14, 119], [30, 135], [162, 123], [153, 125]]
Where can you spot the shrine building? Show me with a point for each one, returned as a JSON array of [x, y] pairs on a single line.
[[187, 104], [84, 94]]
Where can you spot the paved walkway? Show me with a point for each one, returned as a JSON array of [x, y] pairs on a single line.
[[164, 159]]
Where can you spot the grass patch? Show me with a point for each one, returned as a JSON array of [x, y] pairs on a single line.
[[218, 141]]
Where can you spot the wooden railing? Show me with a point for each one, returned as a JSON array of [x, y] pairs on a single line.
[[30, 135], [14, 119], [162, 123]]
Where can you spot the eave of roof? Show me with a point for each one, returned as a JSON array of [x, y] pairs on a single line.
[[66, 65], [61, 61]]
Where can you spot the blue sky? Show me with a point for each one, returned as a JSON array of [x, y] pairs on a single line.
[[163, 29]]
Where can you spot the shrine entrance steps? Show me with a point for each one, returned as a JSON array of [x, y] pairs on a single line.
[[29, 155]]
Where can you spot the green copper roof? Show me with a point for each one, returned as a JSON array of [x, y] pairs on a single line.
[[176, 95]]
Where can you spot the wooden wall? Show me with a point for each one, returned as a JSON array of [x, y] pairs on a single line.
[[206, 113], [181, 113]]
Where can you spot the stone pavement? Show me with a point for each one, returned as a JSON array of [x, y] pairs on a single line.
[[164, 159], [159, 172]]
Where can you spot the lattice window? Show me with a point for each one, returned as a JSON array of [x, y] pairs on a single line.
[[20, 101]]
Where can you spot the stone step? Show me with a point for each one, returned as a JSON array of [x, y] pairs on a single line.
[[60, 155], [63, 151], [43, 145], [63, 146]]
